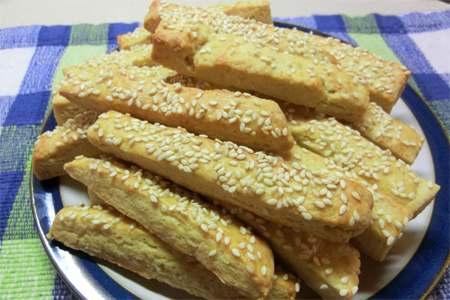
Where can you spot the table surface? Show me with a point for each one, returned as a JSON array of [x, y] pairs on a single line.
[[68, 12]]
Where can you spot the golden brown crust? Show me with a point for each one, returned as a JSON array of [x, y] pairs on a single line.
[[64, 110], [218, 21], [140, 36], [238, 175], [360, 159], [384, 79], [252, 9], [55, 148], [181, 219], [241, 118], [144, 253], [139, 56], [388, 217], [224, 59], [331, 269], [258, 10], [388, 133]]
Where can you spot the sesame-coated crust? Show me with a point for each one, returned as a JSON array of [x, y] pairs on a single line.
[[102, 231], [318, 262], [64, 110], [385, 80], [241, 118], [389, 133], [360, 159], [55, 148], [181, 219], [229, 60], [140, 36], [282, 192], [285, 285], [388, 217], [253, 9], [258, 10]]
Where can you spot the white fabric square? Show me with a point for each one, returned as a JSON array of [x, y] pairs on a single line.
[[13, 67], [435, 45]]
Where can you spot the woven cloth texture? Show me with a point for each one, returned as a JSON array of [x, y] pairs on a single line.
[[31, 63]]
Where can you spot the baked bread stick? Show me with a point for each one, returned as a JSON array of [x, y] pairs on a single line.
[[230, 116], [102, 231], [384, 79], [180, 218], [64, 110], [360, 159], [330, 269], [281, 192], [388, 133], [228, 60], [253, 9], [388, 217], [140, 36], [55, 148]]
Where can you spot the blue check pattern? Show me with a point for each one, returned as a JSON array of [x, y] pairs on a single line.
[[31, 59]]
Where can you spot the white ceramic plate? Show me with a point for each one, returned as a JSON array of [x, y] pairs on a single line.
[[87, 277]]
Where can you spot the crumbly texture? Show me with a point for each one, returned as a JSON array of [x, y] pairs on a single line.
[[385, 80], [331, 269], [359, 159], [285, 285], [388, 133], [184, 221], [388, 217], [102, 231], [137, 56], [219, 22], [64, 110], [229, 60], [140, 36], [258, 10], [55, 148], [229, 116], [282, 192], [252, 9]]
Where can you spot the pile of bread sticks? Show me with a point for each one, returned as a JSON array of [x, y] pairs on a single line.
[[231, 158]]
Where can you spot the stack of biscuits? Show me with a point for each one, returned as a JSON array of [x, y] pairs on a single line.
[[231, 158]]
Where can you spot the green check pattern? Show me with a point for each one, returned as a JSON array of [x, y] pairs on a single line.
[[32, 59]]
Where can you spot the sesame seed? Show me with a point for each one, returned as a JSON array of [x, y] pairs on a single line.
[[235, 252]]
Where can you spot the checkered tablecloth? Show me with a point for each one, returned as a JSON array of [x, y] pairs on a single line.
[[31, 62]]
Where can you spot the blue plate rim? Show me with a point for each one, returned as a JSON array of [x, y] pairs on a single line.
[[411, 283]]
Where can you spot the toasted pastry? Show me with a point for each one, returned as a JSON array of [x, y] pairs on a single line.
[[229, 60], [258, 10], [281, 192], [252, 9], [64, 109], [360, 159], [331, 269], [138, 56], [102, 231], [240, 118], [55, 148], [219, 22], [285, 285], [388, 217], [384, 79], [140, 36], [181, 219], [388, 133]]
